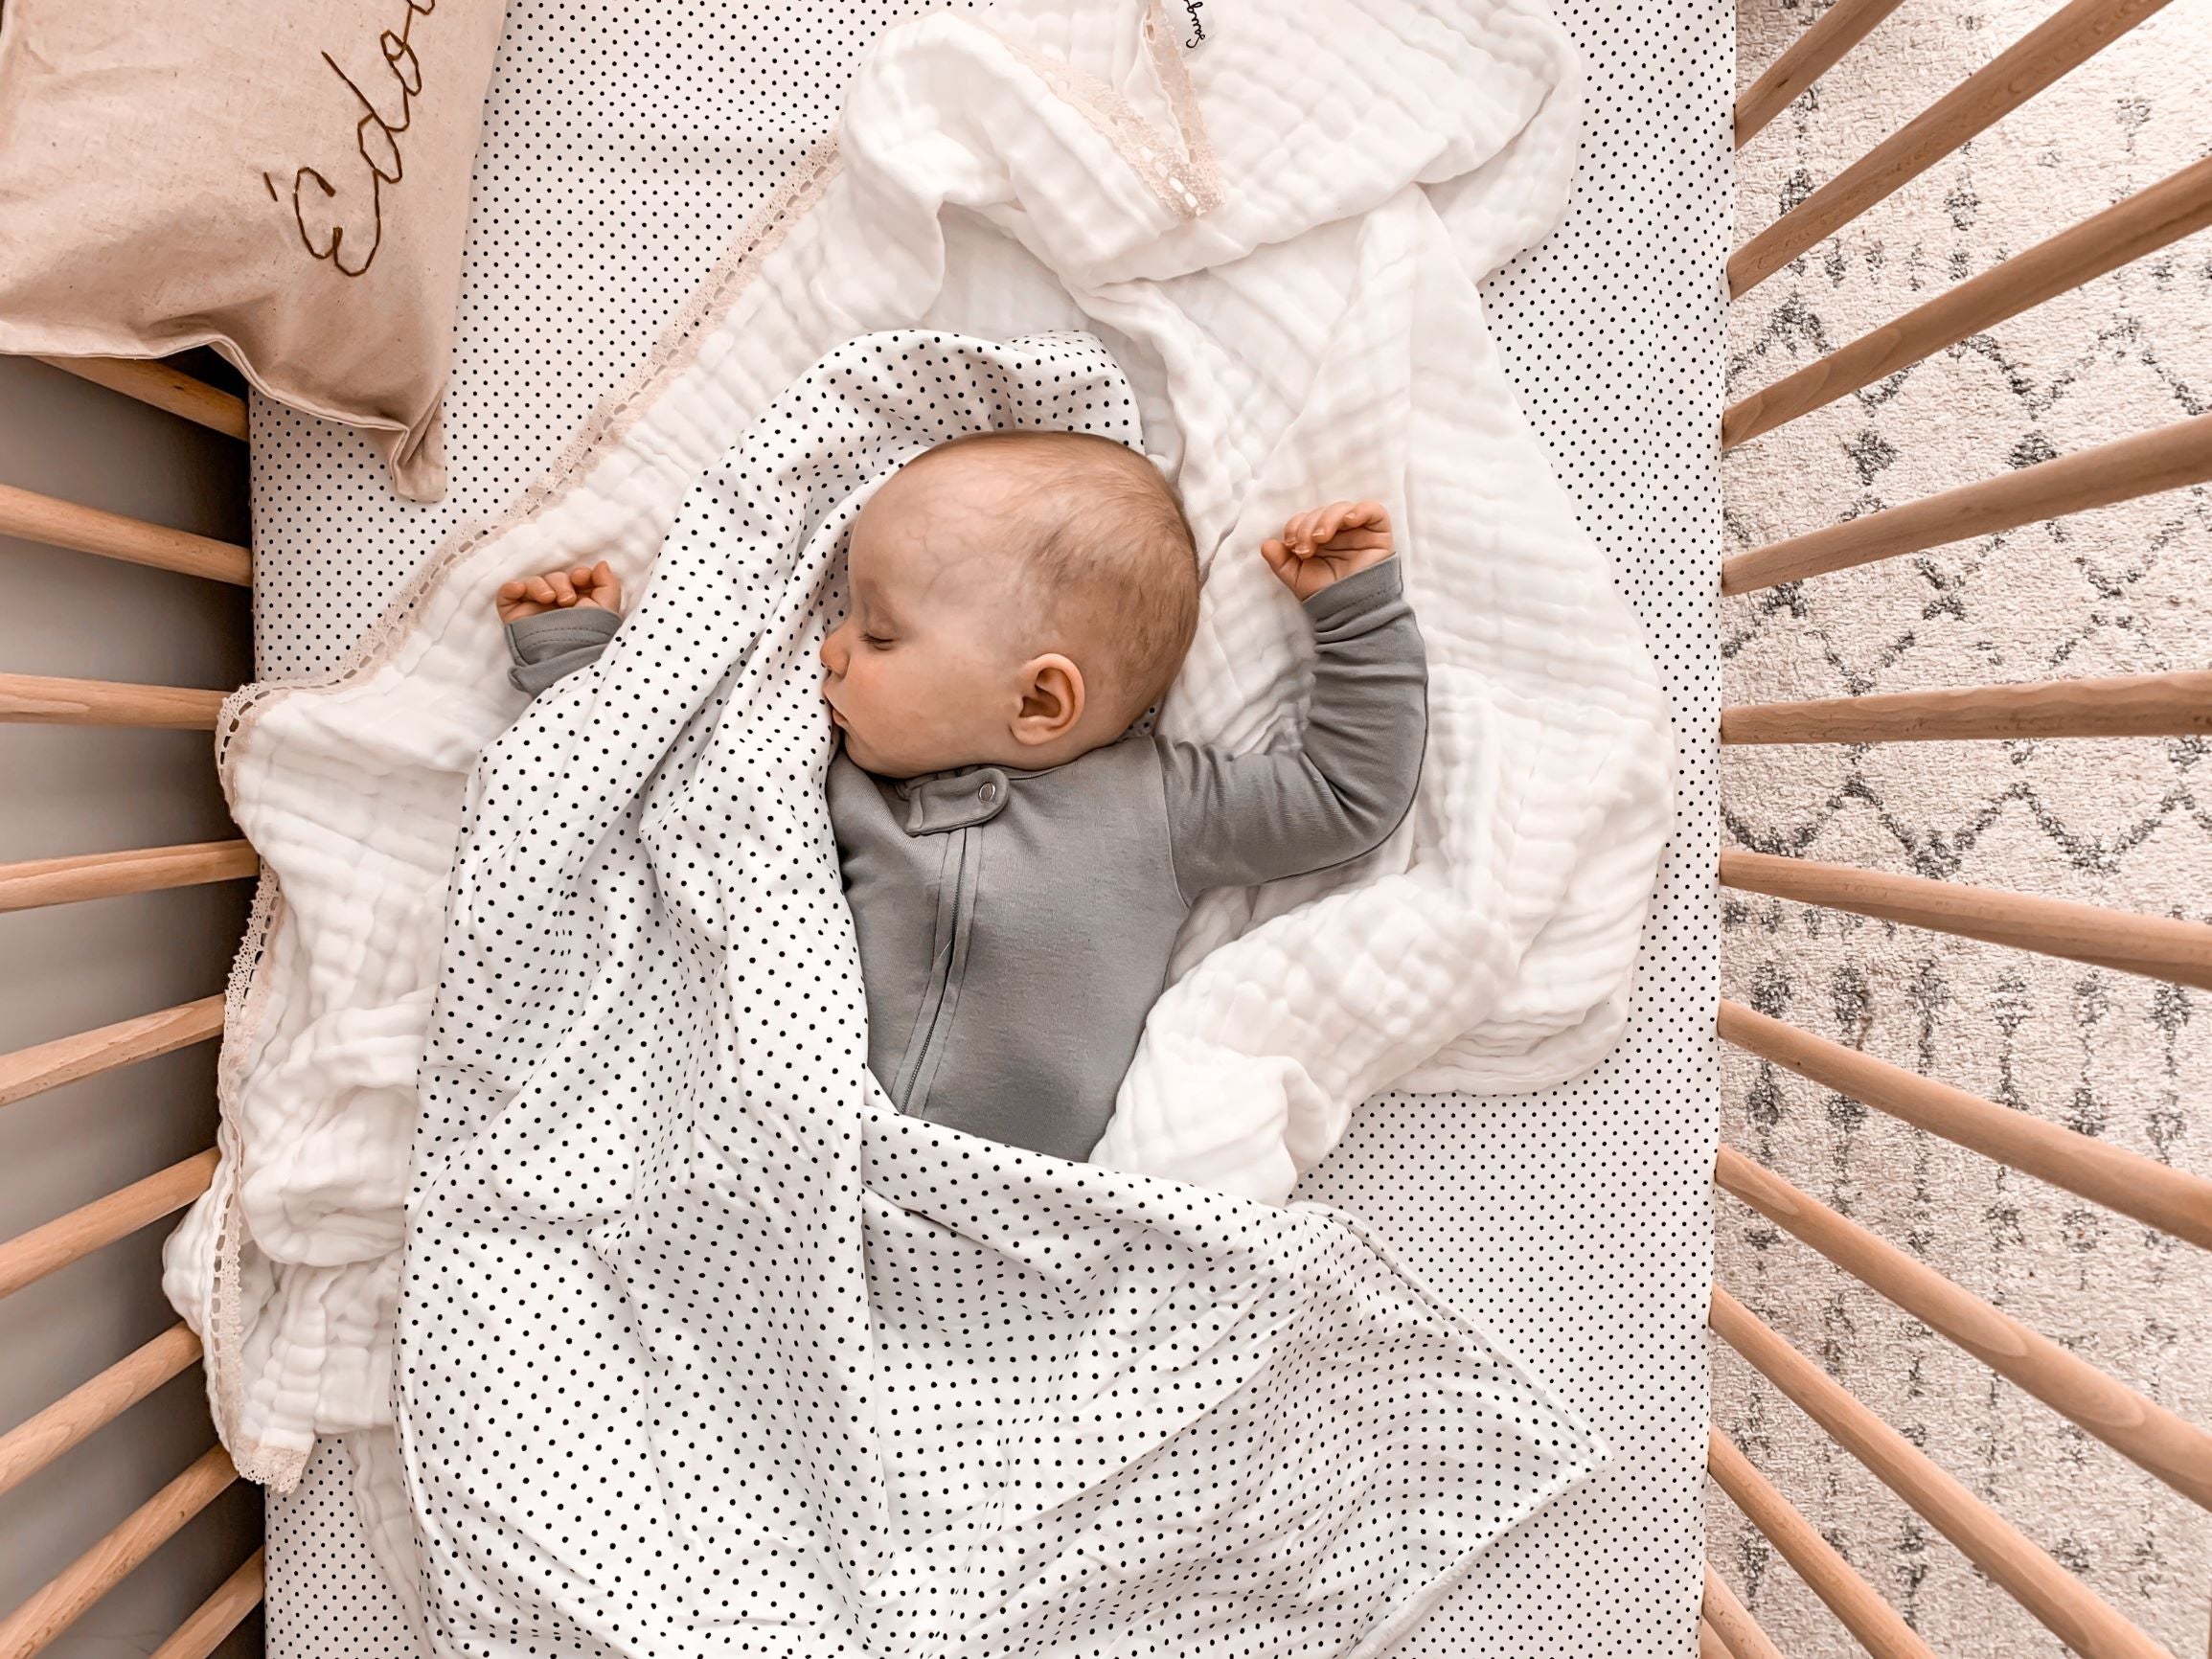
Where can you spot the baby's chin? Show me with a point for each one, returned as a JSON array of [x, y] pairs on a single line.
[[878, 766], [864, 755], [900, 768]]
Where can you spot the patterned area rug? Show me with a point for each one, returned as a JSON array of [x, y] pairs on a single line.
[[2124, 824]]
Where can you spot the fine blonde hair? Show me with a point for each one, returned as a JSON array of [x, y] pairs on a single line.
[[1108, 541]]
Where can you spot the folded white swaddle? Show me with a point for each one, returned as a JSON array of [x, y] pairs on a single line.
[[1297, 321]]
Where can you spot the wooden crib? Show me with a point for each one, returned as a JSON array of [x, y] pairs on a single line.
[[85, 1281], [2176, 455], [2176, 704]]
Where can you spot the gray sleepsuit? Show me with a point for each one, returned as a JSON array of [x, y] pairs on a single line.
[[1014, 927]]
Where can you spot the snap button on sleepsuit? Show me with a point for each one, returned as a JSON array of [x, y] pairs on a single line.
[[954, 799]]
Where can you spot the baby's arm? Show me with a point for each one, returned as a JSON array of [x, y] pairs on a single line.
[[559, 622], [1235, 820]]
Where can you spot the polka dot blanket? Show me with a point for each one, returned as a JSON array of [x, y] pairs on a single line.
[[696, 1343]]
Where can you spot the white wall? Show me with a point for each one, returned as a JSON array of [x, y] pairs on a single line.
[[71, 967]]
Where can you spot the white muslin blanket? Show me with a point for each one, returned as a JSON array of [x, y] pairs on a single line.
[[704, 1346]]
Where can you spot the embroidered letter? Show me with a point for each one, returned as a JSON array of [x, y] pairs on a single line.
[[319, 213]]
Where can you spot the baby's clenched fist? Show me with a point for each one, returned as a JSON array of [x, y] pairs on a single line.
[[1321, 547], [592, 586]]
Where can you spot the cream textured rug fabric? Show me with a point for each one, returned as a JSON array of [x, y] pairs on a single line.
[[2125, 824]]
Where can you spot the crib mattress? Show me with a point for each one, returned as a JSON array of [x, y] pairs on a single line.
[[622, 151]]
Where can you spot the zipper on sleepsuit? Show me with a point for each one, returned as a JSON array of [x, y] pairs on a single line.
[[944, 990]]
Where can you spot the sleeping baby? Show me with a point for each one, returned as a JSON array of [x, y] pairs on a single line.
[[1016, 858]]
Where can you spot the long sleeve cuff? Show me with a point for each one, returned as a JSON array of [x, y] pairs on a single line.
[[544, 648], [1359, 602]]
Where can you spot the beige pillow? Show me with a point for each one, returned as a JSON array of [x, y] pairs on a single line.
[[283, 180]]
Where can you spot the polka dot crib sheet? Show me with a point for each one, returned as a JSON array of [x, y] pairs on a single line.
[[1573, 1221]]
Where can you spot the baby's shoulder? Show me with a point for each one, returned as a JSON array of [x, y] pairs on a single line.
[[1129, 765], [1118, 791]]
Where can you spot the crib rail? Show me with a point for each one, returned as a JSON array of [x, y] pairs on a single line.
[[2155, 1194], [2174, 704], [107, 1563], [2061, 42], [2176, 207], [1826, 1574], [2037, 1581], [2152, 1437], [84, 876], [2166, 459], [167, 389], [2155, 945], [32, 1071], [37, 1443], [220, 1614], [39, 700], [1734, 1631], [1810, 57], [26, 514], [66, 1239], [30, 1446]]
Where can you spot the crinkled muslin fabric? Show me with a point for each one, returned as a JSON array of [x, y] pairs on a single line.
[[671, 1258], [283, 180]]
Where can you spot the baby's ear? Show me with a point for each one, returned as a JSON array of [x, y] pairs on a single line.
[[1053, 699]]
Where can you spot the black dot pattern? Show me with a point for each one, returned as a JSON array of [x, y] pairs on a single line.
[[340, 1557], [619, 157]]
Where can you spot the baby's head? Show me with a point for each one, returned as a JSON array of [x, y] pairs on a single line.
[[1015, 598]]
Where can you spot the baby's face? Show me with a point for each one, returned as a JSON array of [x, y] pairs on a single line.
[[924, 673]]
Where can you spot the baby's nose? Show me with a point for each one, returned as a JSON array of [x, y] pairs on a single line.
[[832, 651]]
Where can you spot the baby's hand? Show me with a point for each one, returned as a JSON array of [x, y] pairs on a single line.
[[591, 586], [1322, 547]]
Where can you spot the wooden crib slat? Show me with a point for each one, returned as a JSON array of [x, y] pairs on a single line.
[[1826, 1574], [167, 389], [1740, 1634], [31, 1256], [1709, 1644], [37, 1442], [220, 1613], [2063, 1605], [64, 1600], [30, 1070], [39, 700], [2061, 42], [1806, 59], [87, 875], [2172, 705], [2176, 207], [56, 523], [2166, 459], [2140, 1430], [2173, 1200], [2154, 946]]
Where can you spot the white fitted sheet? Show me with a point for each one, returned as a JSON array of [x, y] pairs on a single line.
[[623, 147]]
